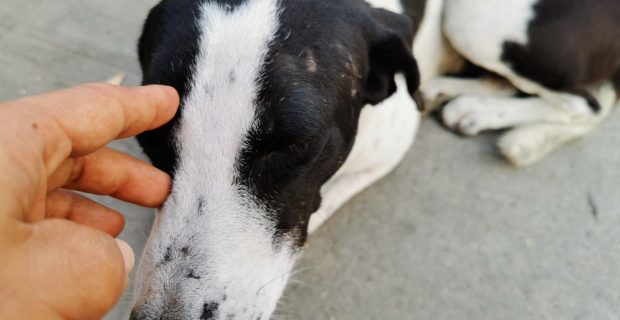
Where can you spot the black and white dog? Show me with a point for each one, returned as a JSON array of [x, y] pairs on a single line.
[[562, 57], [272, 137], [273, 133]]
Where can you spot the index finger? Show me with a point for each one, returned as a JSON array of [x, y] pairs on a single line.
[[80, 120]]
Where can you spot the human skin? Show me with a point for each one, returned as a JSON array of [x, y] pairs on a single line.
[[58, 255]]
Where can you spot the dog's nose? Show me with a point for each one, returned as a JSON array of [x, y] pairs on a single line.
[[135, 315], [138, 315], [208, 313]]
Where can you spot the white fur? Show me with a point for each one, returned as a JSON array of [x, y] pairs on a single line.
[[450, 87], [431, 49], [438, 90], [231, 240], [392, 5]]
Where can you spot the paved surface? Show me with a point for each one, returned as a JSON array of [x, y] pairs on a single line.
[[454, 233]]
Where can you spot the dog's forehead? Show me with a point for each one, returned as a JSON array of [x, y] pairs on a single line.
[[315, 55], [313, 69]]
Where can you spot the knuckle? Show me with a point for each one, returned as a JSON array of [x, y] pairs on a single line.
[[77, 170]]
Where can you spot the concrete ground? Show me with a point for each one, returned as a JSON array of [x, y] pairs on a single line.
[[454, 233]]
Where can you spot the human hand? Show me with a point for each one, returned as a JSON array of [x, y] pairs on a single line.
[[58, 257]]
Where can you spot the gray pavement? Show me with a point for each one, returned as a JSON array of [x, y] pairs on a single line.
[[454, 233]]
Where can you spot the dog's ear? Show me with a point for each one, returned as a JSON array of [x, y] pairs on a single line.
[[390, 42]]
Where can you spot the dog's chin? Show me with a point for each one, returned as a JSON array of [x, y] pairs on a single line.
[[253, 295]]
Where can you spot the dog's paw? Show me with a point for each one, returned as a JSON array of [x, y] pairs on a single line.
[[471, 115], [435, 95], [526, 145], [431, 93], [522, 148]]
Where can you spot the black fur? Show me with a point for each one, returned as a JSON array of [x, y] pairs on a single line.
[[309, 120], [167, 49], [415, 10], [572, 44]]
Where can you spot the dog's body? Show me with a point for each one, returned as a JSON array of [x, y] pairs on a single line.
[[273, 135], [562, 54]]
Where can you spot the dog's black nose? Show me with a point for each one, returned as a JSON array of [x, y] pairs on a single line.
[[137, 315], [134, 315], [208, 312]]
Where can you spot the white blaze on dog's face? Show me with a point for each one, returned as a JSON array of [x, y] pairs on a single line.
[[267, 117]]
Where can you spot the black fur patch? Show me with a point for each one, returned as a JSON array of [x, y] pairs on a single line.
[[167, 255], [209, 311], [415, 10], [572, 44], [185, 251]]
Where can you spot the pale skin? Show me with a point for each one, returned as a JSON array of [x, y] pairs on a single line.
[[58, 255]]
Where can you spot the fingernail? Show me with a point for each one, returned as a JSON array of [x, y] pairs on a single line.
[[128, 255]]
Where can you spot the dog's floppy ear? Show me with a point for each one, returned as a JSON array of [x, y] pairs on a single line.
[[390, 41]]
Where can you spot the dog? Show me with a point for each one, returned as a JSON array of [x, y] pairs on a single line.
[[288, 109], [559, 60]]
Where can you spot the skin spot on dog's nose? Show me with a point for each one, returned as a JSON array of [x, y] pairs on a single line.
[[202, 202], [209, 310], [168, 255], [185, 250]]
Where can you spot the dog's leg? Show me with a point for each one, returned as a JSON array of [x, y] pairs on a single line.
[[451, 87], [442, 89], [528, 144], [471, 114], [545, 122], [434, 53]]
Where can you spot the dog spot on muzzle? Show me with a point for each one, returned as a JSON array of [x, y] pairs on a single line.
[[209, 311]]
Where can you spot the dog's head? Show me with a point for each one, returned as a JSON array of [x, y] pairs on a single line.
[[271, 94]]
